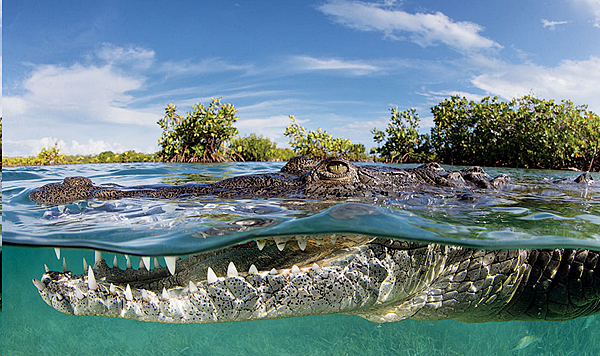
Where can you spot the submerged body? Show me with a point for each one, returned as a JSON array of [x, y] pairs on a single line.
[[379, 279]]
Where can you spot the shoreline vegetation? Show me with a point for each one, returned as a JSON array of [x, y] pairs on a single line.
[[526, 132]]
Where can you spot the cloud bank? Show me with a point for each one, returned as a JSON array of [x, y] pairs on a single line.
[[424, 29]]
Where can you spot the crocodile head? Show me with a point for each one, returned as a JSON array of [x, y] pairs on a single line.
[[332, 179], [376, 278]]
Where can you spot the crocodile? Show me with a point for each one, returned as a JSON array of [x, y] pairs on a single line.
[[380, 279]]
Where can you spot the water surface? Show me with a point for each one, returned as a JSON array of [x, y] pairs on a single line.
[[537, 211]]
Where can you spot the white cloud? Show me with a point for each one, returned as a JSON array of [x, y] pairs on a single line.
[[135, 56], [591, 5], [552, 24], [424, 29], [78, 94], [31, 147], [356, 68], [570, 79], [206, 66], [271, 127], [434, 97]]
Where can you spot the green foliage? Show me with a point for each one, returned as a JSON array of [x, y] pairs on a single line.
[[401, 139], [526, 132], [51, 155], [200, 136], [254, 148], [319, 144]]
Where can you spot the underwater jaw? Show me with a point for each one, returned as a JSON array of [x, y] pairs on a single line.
[[379, 279], [261, 280]]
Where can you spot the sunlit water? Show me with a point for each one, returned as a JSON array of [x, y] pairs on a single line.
[[537, 210]]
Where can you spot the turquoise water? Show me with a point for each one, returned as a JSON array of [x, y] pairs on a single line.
[[536, 212]]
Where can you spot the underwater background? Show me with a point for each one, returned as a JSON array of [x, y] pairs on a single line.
[[556, 214]]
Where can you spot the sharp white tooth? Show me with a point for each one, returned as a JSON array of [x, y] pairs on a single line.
[[333, 239], [46, 268], [273, 271], [156, 264], [39, 285], [128, 294], [261, 244], [92, 279], [97, 256], [315, 267], [252, 270], [319, 241], [85, 265], [146, 262], [211, 277], [295, 269], [280, 245], [61, 209], [78, 294], [165, 294], [112, 289], [141, 266], [145, 295], [57, 253], [193, 288], [128, 262], [115, 262], [65, 269], [231, 270], [302, 243], [171, 263]]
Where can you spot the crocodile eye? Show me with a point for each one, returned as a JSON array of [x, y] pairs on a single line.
[[337, 168]]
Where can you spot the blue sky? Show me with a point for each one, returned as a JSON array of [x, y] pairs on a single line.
[[96, 75]]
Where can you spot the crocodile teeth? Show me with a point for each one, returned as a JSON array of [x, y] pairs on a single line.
[[115, 262], [273, 272], [193, 288], [78, 294], [261, 244], [252, 269], [146, 262], [128, 294], [91, 279], [97, 256], [141, 266], [65, 269], [231, 270], [145, 295], [315, 267], [128, 261], [280, 245], [165, 294], [302, 243], [171, 263], [57, 253], [295, 269], [39, 285], [211, 277], [46, 268], [85, 264], [333, 239], [112, 289]]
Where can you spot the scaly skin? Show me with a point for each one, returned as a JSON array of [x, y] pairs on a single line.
[[382, 281], [334, 178]]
